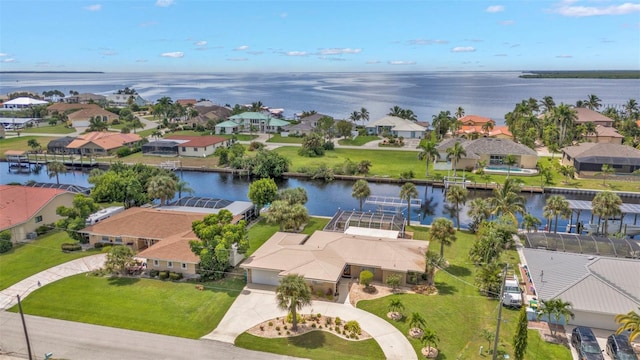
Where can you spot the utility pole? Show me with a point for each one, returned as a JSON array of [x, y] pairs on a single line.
[[24, 326], [495, 340]]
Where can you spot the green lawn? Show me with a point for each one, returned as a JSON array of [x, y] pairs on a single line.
[[239, 137], [25, 260], [459, 313], [20, 143], [317, 345], [161, 307], [260, 232], [277, 138], [358, 141], [48, 129]]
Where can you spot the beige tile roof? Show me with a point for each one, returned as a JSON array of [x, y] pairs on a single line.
[[87, 113], [104, 139], [145, 223], [587, 115], [324, 254], [174, 248], [396, 124]]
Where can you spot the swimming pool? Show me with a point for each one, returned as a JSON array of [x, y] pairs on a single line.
[[503, 169]]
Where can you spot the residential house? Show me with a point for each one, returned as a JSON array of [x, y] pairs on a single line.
[[81, 118], [491, 151], [588, 158], [604, 134], [598, 287], [306, 125], [585, 115], [324, 258], [474, 126], [186, 102], [396, 126], [251, 120], [23, 209], [102, 143], [22, 103], [18, 123], [173, 253], [62, 108], [85, 98], [123, 100], [199, 146], [59, 145]]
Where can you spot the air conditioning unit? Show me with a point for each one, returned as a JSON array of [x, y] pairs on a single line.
[[32, 235]]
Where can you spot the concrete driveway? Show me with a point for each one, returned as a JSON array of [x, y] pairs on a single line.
[[600, 334], [28, 285], [257, 304]]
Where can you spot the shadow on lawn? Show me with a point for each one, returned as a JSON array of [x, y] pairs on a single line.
[[446, 289], [310, 340], [122, 281], [457, 270]]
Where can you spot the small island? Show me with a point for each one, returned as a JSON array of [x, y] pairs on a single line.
[[51, 72], [581, 74]]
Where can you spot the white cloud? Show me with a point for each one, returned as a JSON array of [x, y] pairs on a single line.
[[3, 54], [338, 51], [566, 8], [94, 7], [8, 60], [241, 48], [506, 22], [164, 3], [401, 62], [141, 60], [427, 42], [296, 53], [495, 9], [373, 62], [237, 59], [284, 15], [564, 56], [463, 49], [201, 43], [174, 54]]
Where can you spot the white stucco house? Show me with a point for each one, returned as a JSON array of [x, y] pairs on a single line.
[[396, 126]]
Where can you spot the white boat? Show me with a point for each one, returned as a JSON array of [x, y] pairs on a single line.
[[613, 227]]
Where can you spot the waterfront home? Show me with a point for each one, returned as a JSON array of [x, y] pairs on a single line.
[[588, 158], [393, 125], [604, 134], [325, 257], [102, 143], [474, 126], [62, 107], [81, 117], [186, 102], [491, 151], [249, 120], [22, 103], [23, 209], [184, 145], [306, 125], [59, 145], [85, 98], [123, 100], [585, 115]]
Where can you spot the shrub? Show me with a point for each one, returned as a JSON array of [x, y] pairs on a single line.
[[318, 314], [327, 320], [366, 277], [407, 174], [153, 273], [175, 276], [299, 318], [261, 327], [5, 235], [163, 275], [277, 328], [328, 145], [123, 151], [270, 323], [256, 145], [285, 327], [353, 327], [71, 247], [5, 245], [43, 229], [313, 326], [338, 321], [288, 333], [99, 245]]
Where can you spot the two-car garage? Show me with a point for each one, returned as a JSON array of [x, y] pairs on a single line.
[[263, 277]]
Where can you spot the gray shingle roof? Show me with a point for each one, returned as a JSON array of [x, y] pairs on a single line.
[[604, 153], [497, 147]]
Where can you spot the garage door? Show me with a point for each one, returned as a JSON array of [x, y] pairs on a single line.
[[593, 320], [265, 277]]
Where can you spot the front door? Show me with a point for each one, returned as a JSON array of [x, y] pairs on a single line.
[[347, 271]]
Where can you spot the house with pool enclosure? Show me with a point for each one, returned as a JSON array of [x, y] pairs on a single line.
[[491, 152]]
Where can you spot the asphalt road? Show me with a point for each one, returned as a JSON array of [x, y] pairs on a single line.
[[72, 340]]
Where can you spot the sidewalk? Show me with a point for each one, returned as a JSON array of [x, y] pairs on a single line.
[[30, 284]]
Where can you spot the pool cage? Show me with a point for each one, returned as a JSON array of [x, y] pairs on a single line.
[[344, 219], [201, 202], [583, 244]]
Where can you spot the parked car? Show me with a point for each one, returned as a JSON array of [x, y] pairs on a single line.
[[586, 344], [619, 349]]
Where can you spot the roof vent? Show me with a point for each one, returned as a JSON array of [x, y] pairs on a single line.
[[591, 257]]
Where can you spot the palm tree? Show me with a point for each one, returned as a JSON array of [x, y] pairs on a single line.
[[556, 206], [593, 102], [442, 230], [565, 117], [395, 305], [605, 171], [457, 195], [293, 294], [459, 112], [183, 186], [354, 117], [35, 146], [56, 168], [557, 308], [454, 154], [416, 321], [429, 152], [548, 103], [506, 200], [364, 115], [361, 191], [429, 339], [629, 322], [433, 261], [530, 222], [631, 107], [162, 187], [568, 171], [606, 204], [395, 111], [487, 127], [407, 192], [256, 106], [479, 211], [509, 160]]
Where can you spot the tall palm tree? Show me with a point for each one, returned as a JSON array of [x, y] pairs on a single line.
[[364, 115], [183, 187], [433, 261], [487, 127], [556, 206], [631, 108], [408, 192], [530, 222], [606, 204], [455, 153], [509, 160], [479, 211], [593, 102], [605, 171], [629, 322], [162, 187], [547, 103], [395, 111], [354, 117], [565, 117], [293, 294], [429, 152], [55, 168], [457, 195], [459, 113], [442, 230], [361, 191], [506, 200]]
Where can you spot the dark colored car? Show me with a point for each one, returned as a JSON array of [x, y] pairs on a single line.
[[619, 349], [586, 344]]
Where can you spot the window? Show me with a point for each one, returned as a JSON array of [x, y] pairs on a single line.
[[118, 239], [195, 149], [156, 263], [184, 266], [184, 148], [169, 264], [38, 219], [105, 238]]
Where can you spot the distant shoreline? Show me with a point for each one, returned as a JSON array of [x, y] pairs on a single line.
[[51, 72], [578, 74]]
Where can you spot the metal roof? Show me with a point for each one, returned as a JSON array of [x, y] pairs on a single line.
[[625, 208], [583, 244]]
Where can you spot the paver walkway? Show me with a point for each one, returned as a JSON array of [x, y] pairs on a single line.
[[257, 304], [28, 285]]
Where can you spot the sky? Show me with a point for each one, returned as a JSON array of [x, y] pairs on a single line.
[[318, 36]]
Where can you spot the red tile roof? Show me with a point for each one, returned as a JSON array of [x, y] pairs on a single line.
[[20, 203], [475, 120], [198, 141], [185, 102]]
